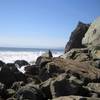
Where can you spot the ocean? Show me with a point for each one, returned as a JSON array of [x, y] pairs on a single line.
[[11, 54]]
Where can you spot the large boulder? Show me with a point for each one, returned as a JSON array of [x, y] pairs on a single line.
[[92, 36], [10, 74], [65, 85], [75, 40]]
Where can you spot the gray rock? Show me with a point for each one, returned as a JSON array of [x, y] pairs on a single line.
[[75, 40], [64, 85], [82, 54], [92, 36]]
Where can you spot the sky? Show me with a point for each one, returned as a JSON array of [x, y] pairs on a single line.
[[43, 23]]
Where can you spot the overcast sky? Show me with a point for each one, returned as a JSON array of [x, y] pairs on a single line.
[[43, 23]]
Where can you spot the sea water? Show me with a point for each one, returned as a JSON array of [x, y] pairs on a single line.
[[9, 54]]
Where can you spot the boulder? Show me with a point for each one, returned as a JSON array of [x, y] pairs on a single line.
[[82, 54], [47, 54], [10, 74], [92, 36], [30, 93], [21, 63], [49, 71], [42, 61], [75, 40], [65, 85]]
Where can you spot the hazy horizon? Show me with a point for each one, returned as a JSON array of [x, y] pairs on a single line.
[[43, 23]]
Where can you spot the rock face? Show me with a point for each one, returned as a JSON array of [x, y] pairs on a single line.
[[92, 36], [75, 40]]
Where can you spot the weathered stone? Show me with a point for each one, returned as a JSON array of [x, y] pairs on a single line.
[[47, 54], [42, 61], [65, 85], [82, 54], [92, 36], [75, 40], [50, 70], [82, 70]]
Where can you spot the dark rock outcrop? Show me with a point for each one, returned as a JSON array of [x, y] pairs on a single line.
[[10, 74], [75, 40], [21, 63]]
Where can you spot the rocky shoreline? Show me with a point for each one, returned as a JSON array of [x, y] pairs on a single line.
[[75, 75]]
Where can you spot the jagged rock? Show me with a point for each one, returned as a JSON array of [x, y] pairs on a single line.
[[82, 54], [47, 54], [49, 70], [30, 93], [92, 36], [75, 40], [21, 63], [65, 85], [42, 61]]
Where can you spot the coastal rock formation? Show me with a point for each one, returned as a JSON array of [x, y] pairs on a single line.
[[75, 40], [75, 75]]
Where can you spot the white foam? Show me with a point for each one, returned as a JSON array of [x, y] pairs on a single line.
[[11, 56]]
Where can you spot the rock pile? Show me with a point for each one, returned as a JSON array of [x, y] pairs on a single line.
[[75, 75]]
